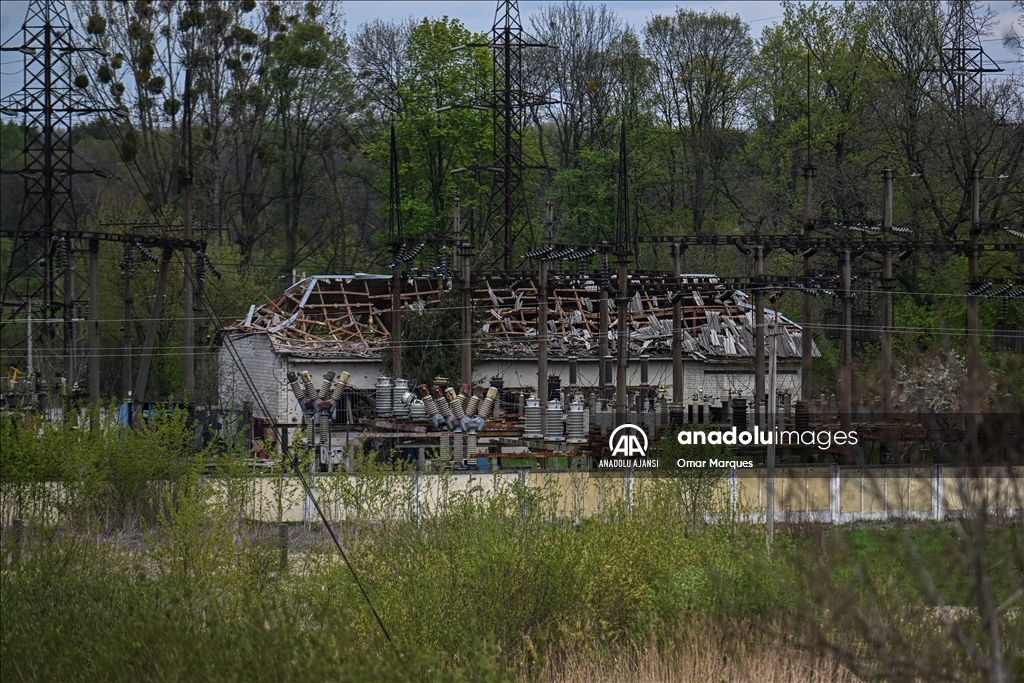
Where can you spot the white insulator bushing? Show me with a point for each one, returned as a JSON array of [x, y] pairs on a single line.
[[442, 406], [473, 407], [456, 404], [471, 448], [417, 411], [383, 387], [531, 418], [575, 422], [325, 386], [430, 404], [487, 407], [296, 384], [445, 450], [307, 383], [339, 386], [554, 425], [402, 398], [325, 426]]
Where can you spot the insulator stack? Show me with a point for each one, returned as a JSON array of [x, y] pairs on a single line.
[[802, 418], [307, 383], [471, 447], [677, 414], [384, 388], [339, 386], [310, 430], [417, 409], [473, 407], [456, 403], [575, 423], [487, 407], [325, 427], [402, 398], [554, 425], [739, 413], [297, 388], [445, 452], [442, 403], [428, 400], [554, 387], [464, 393], [325, 386], [497, 383], [531, 419]]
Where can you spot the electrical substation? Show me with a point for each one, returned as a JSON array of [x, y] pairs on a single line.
[[559, 341]]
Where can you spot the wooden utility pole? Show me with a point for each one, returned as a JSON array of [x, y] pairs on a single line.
[[846, 370], [602, 325], [189, 294], [467, 315], [807, 340], [94, 321], [758, 333], [622, 238], [147, 350], [677, 325], [126, 344], [887, 284]]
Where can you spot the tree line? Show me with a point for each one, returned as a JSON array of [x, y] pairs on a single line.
[[292, 114]]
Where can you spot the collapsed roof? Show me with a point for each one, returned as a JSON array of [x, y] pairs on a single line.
[[349, 316]]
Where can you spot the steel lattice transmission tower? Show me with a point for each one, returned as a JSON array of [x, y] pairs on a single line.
[[40, 276], [965, 58], [510, 102]]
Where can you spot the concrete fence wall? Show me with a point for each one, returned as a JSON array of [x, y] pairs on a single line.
[[826, 494]]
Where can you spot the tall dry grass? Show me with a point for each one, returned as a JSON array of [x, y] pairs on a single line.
[[704, 656]]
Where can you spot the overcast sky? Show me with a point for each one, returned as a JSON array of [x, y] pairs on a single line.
[[478, 15]]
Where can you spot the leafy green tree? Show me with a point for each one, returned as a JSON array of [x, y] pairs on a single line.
[[436, 75]]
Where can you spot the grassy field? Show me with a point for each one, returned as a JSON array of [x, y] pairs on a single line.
[[171, 582]]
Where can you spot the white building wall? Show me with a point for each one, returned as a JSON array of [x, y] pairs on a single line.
[[264, 368], [717, 380], [268, 371]]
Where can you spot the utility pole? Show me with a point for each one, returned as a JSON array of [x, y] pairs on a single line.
[[542, 322], [189, 295], [467, 314], [772, 365], [887, 284], [677, 325], [806, 338], [846, 371], [126, 344], [603, 324], [622, 250], [395, 230], [147, 350], [971, 402], [758, 333], [94, 321]]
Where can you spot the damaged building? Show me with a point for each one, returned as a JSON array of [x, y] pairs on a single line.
[[342, 323]]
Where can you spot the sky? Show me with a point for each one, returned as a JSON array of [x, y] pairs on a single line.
[[478, 15]]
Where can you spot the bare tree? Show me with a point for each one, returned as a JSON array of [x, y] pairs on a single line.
[[701, 61], [576, 74]]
